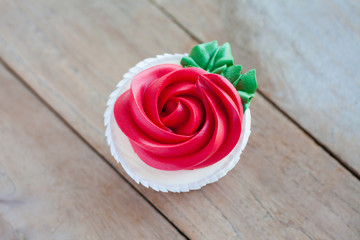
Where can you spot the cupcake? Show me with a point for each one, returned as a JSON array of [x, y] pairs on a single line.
[[177, 122]]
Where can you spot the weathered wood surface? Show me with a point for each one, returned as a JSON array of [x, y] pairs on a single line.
[[306, 55], [53, 186], [285, 186]]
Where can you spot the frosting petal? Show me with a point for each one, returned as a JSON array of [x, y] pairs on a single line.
[[180, 118]]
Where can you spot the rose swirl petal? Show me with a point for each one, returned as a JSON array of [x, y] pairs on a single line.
[[180, 118]]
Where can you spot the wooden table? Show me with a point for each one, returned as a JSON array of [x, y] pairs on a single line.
[[297, 179]]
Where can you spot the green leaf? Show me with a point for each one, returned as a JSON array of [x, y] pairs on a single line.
[[222, 57], [188, 62], [232, 73], [245, 97], [210, 57], [246, 86], [247, 82], [202, 53], [219, 70]]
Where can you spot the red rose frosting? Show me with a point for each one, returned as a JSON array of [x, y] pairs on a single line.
[[180, 118]]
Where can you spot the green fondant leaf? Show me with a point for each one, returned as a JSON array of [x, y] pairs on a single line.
[[247, 82], [188, 62], [246, 86], [222, 57], [232, 73], [219, 69], [202, 53], [245, 99], [210, 57]]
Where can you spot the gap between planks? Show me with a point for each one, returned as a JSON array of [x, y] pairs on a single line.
[[345, 165], [43, 101]]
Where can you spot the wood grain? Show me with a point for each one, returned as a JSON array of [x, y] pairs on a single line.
[[285, 186], [53, 186], [306, 55]]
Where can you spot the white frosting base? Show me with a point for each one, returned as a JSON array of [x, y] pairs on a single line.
[[160, 180]]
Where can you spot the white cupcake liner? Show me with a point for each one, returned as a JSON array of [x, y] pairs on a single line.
[[160, 180]]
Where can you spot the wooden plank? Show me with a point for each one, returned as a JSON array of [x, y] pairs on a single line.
[[285, 185], [305, 54], [53, 186]]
